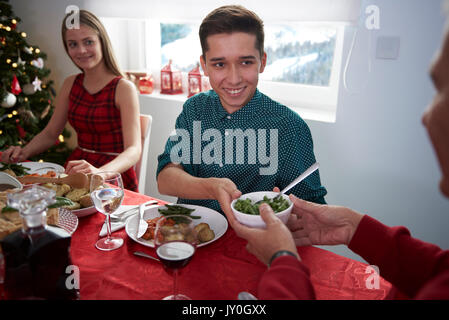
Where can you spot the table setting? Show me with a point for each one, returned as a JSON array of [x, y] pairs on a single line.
[[117, 261]]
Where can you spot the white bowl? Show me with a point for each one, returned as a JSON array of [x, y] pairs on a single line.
[[8, 179], [256, 221]]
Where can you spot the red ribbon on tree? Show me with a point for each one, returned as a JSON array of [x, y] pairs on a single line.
[[15, 86]]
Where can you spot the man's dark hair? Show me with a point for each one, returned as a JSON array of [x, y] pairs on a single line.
[[229, 19]]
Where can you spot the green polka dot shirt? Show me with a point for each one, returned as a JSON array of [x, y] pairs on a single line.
[[261, 146]]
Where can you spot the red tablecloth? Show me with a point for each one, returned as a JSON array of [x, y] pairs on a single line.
[[218, 271]]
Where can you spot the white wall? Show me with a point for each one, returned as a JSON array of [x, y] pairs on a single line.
[[376, 158]]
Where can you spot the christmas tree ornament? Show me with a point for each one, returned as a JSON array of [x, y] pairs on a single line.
[[38, 63], [9, 100], [19, 59], [37, 84], [29, 89], [45, 112], [15, 86], [28, 50]]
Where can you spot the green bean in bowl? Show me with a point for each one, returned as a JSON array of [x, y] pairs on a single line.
[[246, 208], [277, 203]]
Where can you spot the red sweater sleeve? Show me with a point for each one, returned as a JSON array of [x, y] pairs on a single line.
[[418, 269], [287, 278]]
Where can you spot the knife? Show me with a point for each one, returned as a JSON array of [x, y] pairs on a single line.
[[142, 225]]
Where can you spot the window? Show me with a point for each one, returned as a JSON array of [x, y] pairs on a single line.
[[180, 42], [299, 54], [303, 65]]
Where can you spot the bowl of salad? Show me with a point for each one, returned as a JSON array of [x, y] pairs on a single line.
[[246, 208]]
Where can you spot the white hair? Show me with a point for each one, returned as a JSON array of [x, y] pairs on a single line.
[[445, 6]]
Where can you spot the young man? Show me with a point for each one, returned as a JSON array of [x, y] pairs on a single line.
[[234, 139], [418, 269]]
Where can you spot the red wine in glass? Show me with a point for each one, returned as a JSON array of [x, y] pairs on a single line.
[[175, 240]]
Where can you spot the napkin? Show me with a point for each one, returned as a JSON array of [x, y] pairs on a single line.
[[119, 225]]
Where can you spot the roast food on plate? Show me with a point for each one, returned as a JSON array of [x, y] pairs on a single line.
[[203, 230], [80, 197]]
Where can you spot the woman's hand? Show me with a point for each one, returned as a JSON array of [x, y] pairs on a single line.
[[13, 154], [316, 224], [82, 166]]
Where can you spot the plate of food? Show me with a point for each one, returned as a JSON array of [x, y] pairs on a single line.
[[209, 224], [31, 168], [80, 203]]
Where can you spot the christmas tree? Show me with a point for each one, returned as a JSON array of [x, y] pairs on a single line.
[[26, 96]]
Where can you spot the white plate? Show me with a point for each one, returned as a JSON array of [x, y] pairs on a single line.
[[42, 167], [216, 221], [84, 211]]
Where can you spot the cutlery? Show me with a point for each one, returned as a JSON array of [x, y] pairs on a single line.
[[301, 177], [76, 180], [142, 225], [141, 254], [130, 213], [122, 214]]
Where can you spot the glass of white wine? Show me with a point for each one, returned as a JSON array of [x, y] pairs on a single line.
[[106, 191]]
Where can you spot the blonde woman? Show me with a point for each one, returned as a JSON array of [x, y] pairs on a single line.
[[100, 105]]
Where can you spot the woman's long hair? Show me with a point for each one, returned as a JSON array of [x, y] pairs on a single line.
[[90, 20]]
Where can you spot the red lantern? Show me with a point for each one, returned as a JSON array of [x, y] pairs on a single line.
[[195, 83], [146, 85], [171, 80]]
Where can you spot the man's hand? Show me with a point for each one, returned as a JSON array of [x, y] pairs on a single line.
[[316, 224], [224, 191]]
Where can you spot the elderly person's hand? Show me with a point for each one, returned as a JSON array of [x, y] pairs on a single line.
[[264, 243], [317, 224]]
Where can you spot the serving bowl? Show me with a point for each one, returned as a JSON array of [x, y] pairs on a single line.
[[256, 221], [6, 179]]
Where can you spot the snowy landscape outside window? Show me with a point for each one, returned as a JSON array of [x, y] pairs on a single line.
[[296, 54]]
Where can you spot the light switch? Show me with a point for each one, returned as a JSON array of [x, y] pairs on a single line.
[[387, 47]]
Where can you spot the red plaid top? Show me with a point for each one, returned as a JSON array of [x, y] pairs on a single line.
[[97, 123]]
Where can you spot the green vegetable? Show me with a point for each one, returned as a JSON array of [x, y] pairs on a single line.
[[180, 210], [60, 201], [18, 169], [277, 203]]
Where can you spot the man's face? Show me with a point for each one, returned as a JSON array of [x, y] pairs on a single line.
[[436, 117], [233, 64]]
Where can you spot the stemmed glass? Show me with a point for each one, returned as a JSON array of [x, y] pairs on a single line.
[[106, 191], [175, 241]]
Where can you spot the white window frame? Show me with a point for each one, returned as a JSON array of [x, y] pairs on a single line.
[[311, 102]]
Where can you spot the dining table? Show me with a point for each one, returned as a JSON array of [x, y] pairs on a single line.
[[219, 270]]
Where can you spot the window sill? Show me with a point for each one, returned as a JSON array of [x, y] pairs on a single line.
[[319, 115]]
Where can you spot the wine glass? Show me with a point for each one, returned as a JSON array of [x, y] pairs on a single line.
[[106, 191], [175, 241]]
